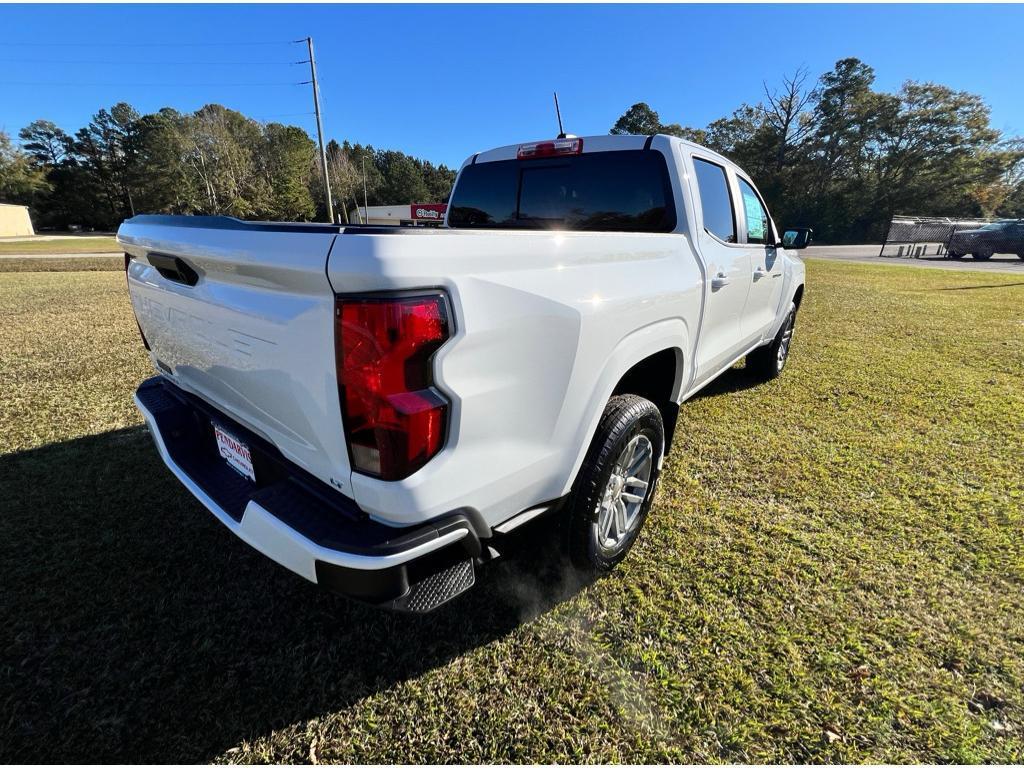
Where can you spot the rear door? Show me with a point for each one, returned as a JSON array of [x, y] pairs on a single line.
[[1013, 239], [242, 315], [758, 236], [728, 268]]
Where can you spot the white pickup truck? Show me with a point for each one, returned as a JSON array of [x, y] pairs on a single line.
[[375, 408]]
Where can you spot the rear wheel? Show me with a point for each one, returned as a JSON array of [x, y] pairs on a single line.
[[767, 362], [982, 254], [616, 483], [955, 255]]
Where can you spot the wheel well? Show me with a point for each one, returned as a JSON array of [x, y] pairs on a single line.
[[654, 378], [798, 296]]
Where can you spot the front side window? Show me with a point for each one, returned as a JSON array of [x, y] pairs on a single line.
[[624, 191], [715, 200], [755, 214]]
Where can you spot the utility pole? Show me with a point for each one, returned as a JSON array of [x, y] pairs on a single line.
[[362, 163], [320, 131]]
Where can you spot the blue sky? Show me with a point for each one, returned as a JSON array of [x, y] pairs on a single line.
[[443, 81]]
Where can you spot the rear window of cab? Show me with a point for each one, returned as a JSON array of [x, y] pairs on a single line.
[[622, 191]]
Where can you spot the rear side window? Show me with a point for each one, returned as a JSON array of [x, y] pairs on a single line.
[[624, 191], [715, 200], [756, 215]]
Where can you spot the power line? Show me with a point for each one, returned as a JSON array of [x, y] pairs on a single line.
[[145, 85], [121, 62], [136, 44], [284, 114], [157, 63]]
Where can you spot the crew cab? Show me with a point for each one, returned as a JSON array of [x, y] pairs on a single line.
[[378, 408]]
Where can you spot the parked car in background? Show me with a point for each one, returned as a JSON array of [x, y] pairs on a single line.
[[377, 408], [982, 243]]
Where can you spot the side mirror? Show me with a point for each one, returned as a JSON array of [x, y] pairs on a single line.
[[797, 238]]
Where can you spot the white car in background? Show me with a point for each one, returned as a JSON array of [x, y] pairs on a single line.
[[375, 408]]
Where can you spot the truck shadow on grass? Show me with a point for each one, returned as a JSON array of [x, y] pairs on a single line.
[[137, 629], [735, 379]]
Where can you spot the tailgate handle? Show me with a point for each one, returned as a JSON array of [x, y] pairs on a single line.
[[173, 268]]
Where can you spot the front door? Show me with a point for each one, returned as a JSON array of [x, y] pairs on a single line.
[[766, 265]]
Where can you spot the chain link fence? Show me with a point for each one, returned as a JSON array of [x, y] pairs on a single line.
[[916, 237]]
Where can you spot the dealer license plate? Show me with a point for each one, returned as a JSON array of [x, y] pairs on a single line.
[[235, 452]]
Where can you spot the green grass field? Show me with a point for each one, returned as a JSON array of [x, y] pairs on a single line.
[[112, 263], [79, 244], [832, 570]]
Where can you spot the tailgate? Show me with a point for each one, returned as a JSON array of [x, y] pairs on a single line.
[[243, 316]]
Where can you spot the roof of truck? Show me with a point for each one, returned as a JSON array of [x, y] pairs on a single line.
[[600, 143]]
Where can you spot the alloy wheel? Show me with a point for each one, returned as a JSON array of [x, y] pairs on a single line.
[[784, 342], [624, 494]]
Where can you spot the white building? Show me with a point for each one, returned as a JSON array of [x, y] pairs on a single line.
[[423, 214]]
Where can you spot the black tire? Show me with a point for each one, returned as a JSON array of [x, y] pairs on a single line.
[[955, 255], [1020, 255], [766, 363], [982, 254], [625, 418]]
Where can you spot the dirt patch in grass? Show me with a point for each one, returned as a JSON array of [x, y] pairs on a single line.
[[832, 570]]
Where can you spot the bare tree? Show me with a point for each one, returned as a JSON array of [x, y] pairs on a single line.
[[345, 177], [786, 112]]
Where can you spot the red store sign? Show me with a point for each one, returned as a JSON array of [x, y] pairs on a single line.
[[427, 211]]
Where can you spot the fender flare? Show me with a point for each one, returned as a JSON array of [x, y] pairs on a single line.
[[795, 276], [671, 333]]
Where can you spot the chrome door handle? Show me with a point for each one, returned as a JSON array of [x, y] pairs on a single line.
[[719, 281], [759, 273]]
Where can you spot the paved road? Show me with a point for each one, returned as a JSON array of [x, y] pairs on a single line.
[[65, 238], [868, 254]]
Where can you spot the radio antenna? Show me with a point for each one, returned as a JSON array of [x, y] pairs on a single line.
[[558, 114]]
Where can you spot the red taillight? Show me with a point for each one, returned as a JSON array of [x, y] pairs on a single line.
[[550, 148], [394, 418]]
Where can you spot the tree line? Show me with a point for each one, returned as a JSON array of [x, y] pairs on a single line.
[[834, 154], [841, 157], [212, 161]]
